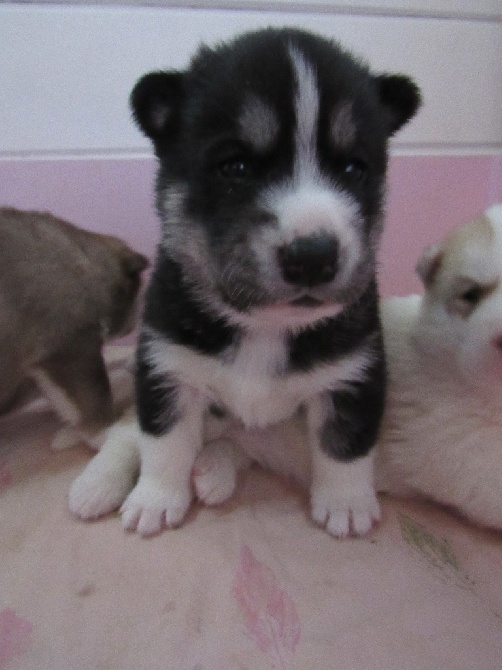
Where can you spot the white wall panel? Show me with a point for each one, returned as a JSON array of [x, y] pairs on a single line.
[[66, 71], [478, 9]]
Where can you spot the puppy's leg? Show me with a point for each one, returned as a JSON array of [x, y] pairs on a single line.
[[13, 389], [76, 384], [171, 418], [108, 478], [215, 470], [342, 429]]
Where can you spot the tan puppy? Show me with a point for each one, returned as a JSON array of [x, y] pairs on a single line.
[[63, 293]]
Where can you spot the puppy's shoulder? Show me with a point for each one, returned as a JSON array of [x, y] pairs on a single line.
[[399, 316]]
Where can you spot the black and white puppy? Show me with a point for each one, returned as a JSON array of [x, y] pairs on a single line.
[[263, 300]]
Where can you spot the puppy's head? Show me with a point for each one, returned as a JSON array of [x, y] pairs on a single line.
[[120, 269], [273, 152], [461, 315]]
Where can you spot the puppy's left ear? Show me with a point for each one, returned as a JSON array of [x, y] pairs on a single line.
[[429, 264], [156, 101], [400, 97]]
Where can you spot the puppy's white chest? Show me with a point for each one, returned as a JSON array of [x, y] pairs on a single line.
[[252, 384]]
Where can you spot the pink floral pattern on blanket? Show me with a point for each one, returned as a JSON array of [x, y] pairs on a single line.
[[270, 614], [14, 635]]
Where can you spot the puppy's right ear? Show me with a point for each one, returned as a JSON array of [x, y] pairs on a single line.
[[429, 264], [155, 102]]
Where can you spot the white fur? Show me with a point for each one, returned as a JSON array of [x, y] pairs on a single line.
[[443, 428], [110, 475], [215, 471], [342, 495], [251, 385], [307, 117], [163, 493]]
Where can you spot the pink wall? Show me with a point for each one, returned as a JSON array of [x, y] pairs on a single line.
[[428, 195]]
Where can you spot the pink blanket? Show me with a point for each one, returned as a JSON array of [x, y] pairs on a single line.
[[252, 585]]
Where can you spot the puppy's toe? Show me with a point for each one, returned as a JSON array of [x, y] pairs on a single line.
[[214, 475], [342, 517], [362, 520], [151, 506]]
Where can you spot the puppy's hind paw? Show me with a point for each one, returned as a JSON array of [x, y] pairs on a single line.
[[150, 507], [214, 473], [345, 517]]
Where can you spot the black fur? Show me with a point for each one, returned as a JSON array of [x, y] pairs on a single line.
[[333, 338], [353, 430], [172, 309], [208, 196]]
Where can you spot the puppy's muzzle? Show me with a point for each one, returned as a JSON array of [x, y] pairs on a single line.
[[309, 261]]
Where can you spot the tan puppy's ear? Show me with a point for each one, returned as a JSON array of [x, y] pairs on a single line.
[[133, 262], [429, 263]]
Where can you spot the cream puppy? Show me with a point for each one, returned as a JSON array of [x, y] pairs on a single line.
[[442, 432]]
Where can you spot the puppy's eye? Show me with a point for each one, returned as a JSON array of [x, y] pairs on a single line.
[[235, 169], [355, 169], [468, 297], [472, 296]]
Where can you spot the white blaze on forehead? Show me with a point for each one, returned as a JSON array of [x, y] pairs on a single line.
[[309, 203], [258, 122], [314, 209], [307, 117]]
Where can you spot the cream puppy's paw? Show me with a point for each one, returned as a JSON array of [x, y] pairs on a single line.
[[151, 506], [215, 473], [342, 517]]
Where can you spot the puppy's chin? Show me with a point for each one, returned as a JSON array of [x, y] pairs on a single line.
[[290, 316]]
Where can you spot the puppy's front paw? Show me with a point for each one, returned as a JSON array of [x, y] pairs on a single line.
[[100, 490], [151, 506], [341, 516], [215, 473]]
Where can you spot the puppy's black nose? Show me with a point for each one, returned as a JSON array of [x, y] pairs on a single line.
[[309, 261]]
